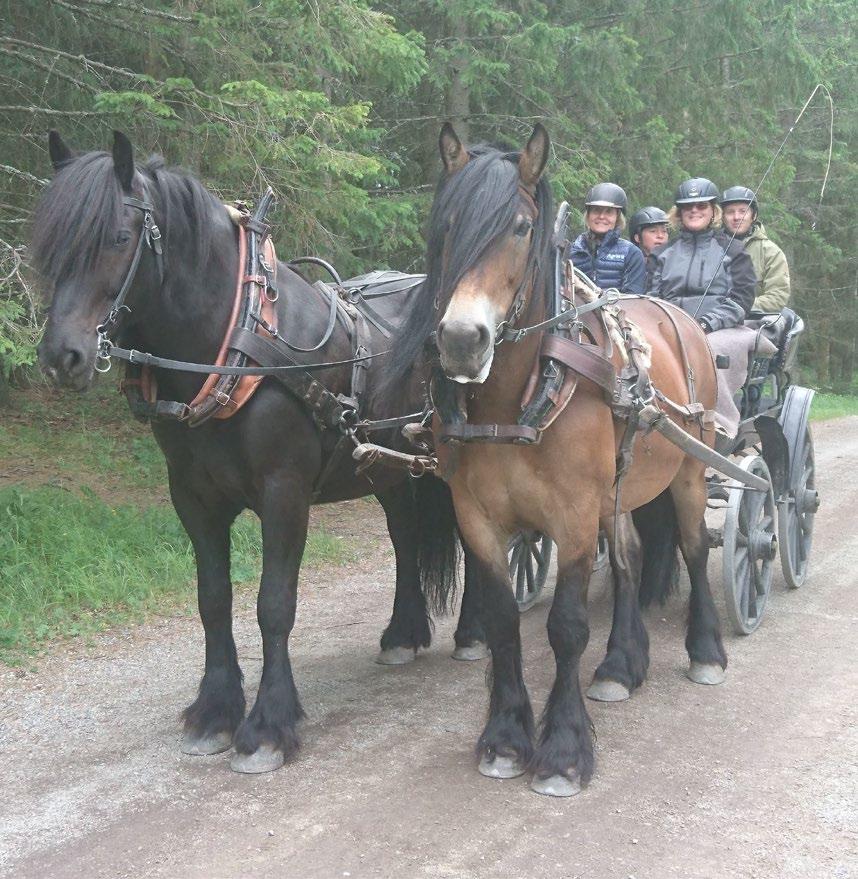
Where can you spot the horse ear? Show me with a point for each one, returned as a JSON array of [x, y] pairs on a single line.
[[58, 151], [123, 160], [531, 164], [453, 154]]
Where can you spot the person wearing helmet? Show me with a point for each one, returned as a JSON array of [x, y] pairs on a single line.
[[607, 259], [702, 270], [739, 205], [709, 275], [648, 229]]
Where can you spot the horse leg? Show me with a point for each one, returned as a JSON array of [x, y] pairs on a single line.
[[563, 762], [506, 745], [625, 665], [268, 736], [408, 629], [703, 637], [213, 717], [470, 637]]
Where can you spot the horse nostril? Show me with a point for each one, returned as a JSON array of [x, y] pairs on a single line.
[[71, 360]]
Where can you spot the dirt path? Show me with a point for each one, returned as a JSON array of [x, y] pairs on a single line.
[[757, 778]]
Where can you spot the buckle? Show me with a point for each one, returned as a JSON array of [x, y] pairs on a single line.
[[223, 398]]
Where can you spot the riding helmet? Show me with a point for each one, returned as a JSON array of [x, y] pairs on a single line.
[[740, 193], [607, 195], [651, 216], [696, 189]]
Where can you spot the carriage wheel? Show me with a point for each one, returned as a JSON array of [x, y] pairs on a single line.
[[796, 511], [529, 560], [750, 547]]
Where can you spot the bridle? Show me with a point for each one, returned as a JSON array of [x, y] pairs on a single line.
[[505, 330], [150, 235]]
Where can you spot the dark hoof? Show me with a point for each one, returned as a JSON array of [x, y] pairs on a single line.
[[396, 656], [555, 786], [706, 673], [608, 691], [205, 746], [500, 767], [263, 759], [472, 652]]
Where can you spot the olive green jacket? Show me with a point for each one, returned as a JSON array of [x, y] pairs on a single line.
[[771, 269]]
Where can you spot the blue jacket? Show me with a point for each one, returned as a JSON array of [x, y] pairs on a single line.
[[616, 262]]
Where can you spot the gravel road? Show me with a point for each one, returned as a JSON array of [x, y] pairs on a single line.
[[756, 778]]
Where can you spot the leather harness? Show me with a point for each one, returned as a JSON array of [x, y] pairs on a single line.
[[569, 351], [253, 348]]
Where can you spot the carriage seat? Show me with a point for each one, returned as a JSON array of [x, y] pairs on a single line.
[[781, 328]]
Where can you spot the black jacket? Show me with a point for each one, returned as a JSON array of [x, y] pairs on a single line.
[[682, 270]]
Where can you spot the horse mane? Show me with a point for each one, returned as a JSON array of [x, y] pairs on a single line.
[[81, 209], [471, 210]]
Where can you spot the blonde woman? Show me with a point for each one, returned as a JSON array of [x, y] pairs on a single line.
[[702, 271], [711, 277]]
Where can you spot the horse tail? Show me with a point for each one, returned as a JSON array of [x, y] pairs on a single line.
[[438, 547], [659, 533]]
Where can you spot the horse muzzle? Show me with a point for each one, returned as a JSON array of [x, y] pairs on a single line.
[[466, 349], [66, 363]]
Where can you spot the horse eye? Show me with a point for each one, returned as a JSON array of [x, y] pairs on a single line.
[[522, 227], [122, 238]]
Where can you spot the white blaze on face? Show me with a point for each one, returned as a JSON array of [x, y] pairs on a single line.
[[472, 314]]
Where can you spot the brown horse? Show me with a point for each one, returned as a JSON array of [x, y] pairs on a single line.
[[490, 248]]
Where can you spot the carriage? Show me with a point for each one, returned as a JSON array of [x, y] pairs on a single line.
[[754, 527]]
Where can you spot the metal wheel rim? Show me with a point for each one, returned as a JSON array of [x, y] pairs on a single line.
[[751, 522], [529, 560], [795, 527]]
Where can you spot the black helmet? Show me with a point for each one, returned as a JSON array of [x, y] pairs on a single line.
[[739, 193], [651, 216], [607, 195], [696, 189]]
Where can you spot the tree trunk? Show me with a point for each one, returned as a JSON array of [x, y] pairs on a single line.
[[458, 107]]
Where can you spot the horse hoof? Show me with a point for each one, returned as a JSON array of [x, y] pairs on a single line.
[[500, 767], [205, 746], [608, 691], [471, 653], [396, 656], [555, 786], [263, 759], [706, 673]]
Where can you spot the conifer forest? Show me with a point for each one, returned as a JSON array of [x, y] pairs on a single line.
[[337, 104]]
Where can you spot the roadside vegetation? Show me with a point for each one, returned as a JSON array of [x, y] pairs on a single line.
[[88, 537], [827, 406]]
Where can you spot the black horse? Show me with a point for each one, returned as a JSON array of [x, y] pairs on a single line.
[[266, 457]]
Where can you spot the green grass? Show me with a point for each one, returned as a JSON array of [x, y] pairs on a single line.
[[71, 564], [86, 436], [826, 406]]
